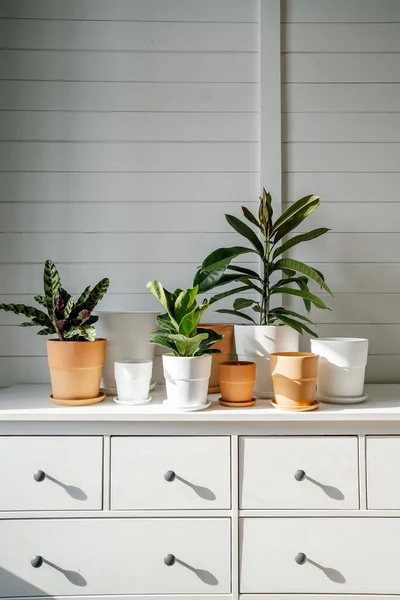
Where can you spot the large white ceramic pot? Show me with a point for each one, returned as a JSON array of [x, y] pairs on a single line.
[[341, 369], [186, 379], [127, 337], [256, 342]]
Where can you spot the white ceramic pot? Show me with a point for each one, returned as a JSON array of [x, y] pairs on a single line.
[[127, 336], [341, 368], [256, 342], [133, 379], [186, 379]]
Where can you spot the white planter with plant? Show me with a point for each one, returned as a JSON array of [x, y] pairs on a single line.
[[187, 367], [271, 328]]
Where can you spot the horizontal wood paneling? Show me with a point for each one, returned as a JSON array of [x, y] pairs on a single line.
[[361, 278], [124, 66], [146, 187], [46, 34], [341, 127], [340, 11], [191, 156], [128, 127], [350, 248], [346, 97], [225, 11]]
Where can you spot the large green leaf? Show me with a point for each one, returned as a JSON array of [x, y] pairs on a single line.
[[88, 332], [210, 279], [250, 217], [213, 338], [246, 232], [298, 239], [291, 313], [300, 327], [41, 300], [223, 256], [316, 300], [163, 340], [296, 265], [83, 297], [230, 292], [46, 331], [265, 212], [184, 303], [240, 303], [295, 221], [290, 212], [52, 285], [28, 311], [97, 294], [164, 322], [68, 307], [190, 321], [245, 271], [236, 313], [165, 299], [187, 346]]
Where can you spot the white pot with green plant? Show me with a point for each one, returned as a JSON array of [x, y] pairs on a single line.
[[187, 367], [270, 328]]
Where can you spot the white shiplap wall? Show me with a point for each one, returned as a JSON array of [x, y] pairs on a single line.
[[127, 129], [341, 140]]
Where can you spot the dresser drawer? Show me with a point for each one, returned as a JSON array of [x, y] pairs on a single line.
[[299, 472], [114, 556], [383, 480], [342, 556], [68, 473], [170, 473]]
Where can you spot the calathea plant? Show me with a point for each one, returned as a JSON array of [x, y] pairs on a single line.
[[70, 319], [279, 274], [178, 327]]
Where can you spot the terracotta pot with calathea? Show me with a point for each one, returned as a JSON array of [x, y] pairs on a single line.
[[187, 367], [225, 346], [269, 328], [76, 357], [294, 377], [237, 383]]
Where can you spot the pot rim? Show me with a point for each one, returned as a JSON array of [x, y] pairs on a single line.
[[247, 325], [340, 340], [237, 363], [76, 341], [170, 355], [127, 312]]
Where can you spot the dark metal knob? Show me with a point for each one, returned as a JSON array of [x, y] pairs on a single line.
[[36, 561], [169, 560], [299, 475], [169, 476], [300, 558], [39, 475]]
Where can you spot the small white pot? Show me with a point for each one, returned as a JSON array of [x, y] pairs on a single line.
[[186, 379], [127, 336], [256, 342], [341, 368], [133, 380]]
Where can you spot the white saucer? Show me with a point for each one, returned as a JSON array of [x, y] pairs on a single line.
[[342, 399], [129, 403], [188, 409]]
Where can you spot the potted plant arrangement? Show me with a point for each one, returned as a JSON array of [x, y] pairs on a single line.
[[270, 328], [187, 367], [76, 357]]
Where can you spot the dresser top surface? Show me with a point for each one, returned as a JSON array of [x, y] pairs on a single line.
[[31, 403]]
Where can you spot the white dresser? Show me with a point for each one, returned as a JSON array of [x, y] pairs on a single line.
[[137, 502]]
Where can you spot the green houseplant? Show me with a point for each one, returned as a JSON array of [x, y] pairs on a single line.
[[187, 367], [76, 365], [271, 328]]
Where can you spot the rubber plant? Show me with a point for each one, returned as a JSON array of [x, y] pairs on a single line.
[[69, 319], [279, 274], [178, 327]]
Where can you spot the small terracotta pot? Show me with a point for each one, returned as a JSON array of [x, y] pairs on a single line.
[[294, 376], [76, 369], [226, 347], [237, 383]]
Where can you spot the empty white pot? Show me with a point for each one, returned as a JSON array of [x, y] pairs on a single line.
[[186, 379], [341, 368], [133, 379], [255, 343], [127, 336]]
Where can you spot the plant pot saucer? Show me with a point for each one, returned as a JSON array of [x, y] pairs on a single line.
[[300, 408], [131, 402], [186, 408], [342, 399], [243, 404], [79, 402]]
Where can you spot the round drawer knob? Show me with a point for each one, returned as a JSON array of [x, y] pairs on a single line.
[[299, 475], [169, 560], [36, 562], [169, 476], [300, 558], [39, 475]]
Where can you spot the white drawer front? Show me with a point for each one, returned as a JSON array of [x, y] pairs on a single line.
[[198, 473], [72, 471], [326, 468], [343, 556], [114, 556], [383, 474]]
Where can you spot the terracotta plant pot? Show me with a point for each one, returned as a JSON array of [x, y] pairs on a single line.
[[226, 347], [294, 376], [237, 383], [75, 371]]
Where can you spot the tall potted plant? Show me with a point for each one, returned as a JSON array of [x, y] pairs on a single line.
[[76, 357], [187, 367], [271, 328]]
